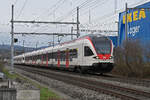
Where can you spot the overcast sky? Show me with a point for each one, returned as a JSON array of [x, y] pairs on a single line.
[[94, 14]]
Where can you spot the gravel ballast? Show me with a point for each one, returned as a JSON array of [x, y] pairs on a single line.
[[74, 92], [127, 85]]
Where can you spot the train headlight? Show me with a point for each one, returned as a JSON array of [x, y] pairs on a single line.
[[110, 57], [96, 57]]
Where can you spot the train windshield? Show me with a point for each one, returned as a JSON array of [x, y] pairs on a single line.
[[102, 45]]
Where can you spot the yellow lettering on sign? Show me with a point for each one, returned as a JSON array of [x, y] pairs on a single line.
[[129, 17], [142, 14], [124, 19], [135, 16]]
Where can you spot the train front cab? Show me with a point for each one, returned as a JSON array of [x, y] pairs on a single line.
[[98, 54]]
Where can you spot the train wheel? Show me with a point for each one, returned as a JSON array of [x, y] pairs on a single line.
[[81, 70], [75, 69], [101, 74]]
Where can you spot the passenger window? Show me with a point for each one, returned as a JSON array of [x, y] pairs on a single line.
[[88, 51]]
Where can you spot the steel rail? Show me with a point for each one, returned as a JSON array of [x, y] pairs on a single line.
[[131, 94]]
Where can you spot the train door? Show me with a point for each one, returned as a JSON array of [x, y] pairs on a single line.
[[87, 55], [50, 59], [42, 59], [47, 59], [67, 58], [58, 58]]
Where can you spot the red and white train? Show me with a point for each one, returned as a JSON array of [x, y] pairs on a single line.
[[91, 52]]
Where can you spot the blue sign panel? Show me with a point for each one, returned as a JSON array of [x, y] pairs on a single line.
[[138, 26], [114, 40]]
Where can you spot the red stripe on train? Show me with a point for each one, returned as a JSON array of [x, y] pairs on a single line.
[[104, 57], [46, 59], [42, 59], [67, 58], [58, 58]]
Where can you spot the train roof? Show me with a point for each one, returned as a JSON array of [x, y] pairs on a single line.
[[45, 50]]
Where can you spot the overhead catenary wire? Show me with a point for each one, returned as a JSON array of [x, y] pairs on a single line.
[[24, 4], [112, 14], [92, 7], [15, 2], [93, 4], [83, 7], [54, 7], [74, 10]]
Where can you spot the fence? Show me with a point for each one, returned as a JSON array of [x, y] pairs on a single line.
[[7, 94]]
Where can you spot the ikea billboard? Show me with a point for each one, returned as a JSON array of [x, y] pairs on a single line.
[[138, 24]]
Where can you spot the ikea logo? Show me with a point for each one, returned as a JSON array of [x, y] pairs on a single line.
[[134, 16]]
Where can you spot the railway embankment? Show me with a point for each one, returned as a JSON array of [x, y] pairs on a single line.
[[89, 87], [25, 88], [59, 82]]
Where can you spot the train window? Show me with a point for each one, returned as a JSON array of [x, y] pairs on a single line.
[[39, 57], [61, 55], [70, 59], [73, 53], [55, 56], [49, 55], [88, 51], [30, 58]]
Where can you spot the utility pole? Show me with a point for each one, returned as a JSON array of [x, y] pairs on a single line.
[[37, 44], [89, 16], [115, 6], [71, 33], [58, 40], [78, 34], [53, 40], [118, 33], [12, 40], [126, 23], [50, 44], [23, 46]]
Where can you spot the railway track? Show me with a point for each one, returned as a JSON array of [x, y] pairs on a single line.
[[109, 89], [134, 81], [110, 77]]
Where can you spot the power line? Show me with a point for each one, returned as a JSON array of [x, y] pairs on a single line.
[[25, 2], [94, 6], [74, 9], [56, 7], [59, 34], [15, 2], [113, 14], [53, 8], [83, 6], [44, 22], [85, 3]]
